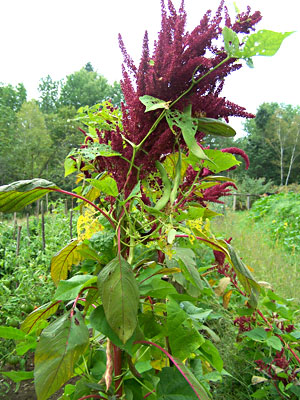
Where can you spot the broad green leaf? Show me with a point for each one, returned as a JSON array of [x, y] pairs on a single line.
[[18, 376], [62, 262], [180, 385], [17, 195], [191, 213], [152, 103], [258, 334], [99, 322], [212, 355], [8, 332], [189, 127], [120, 297], [196, 313], [172, 385], [215, 127], [231, 43], [219, 161], [70, 166], [274, 342], [264, 43], [60, 346], [244, 275], [97, 149], [157, 288], [105, 185], [186, 259], [69, 289], [184, 338], [36, 318]]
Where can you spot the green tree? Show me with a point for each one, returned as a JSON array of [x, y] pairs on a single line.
[[273, 143], [49, 94], [34, 140], [11, 100], [86, 87]]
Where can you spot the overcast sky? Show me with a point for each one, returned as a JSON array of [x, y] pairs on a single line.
[[59, 37]]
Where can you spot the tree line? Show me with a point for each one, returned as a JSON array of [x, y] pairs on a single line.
[[37, 135], [272, 144]]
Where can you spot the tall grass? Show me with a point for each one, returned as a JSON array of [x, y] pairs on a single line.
[[267, 257]]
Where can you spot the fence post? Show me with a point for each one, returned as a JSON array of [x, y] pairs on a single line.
[[18, 240], [27, 224], [234, 201], [71, 223], [248, 202], [43, 226], [15, 225]]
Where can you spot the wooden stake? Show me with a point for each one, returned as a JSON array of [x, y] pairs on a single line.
[[15, 226], [43, 226], [18, 240], [27, 224]]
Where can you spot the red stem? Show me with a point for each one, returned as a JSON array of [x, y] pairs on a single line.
[[87, 201], [173, 361], [78, 298], [118, 370]]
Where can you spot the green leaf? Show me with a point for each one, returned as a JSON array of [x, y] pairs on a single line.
[[106, 185], [17, 195], [186, 259], [18, 376], [264, 43], [212, 355], [172, 385], [152, 103], [219, 161], [258, 334], [34, 320], [274, 342], [8, 332], [69, 289], [184, 338], [70, 166], [97, 149], [120, 297], [157, 288], [231, 43], [189, 127], [60, 346], [62, 262], [215, 127], [99, 322], [244, 275]]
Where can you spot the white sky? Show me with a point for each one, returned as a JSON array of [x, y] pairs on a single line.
[[59, 37]]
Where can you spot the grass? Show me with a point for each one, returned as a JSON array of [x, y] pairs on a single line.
[[269, 260]]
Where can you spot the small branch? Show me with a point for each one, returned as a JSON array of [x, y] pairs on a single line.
[[87, 201]]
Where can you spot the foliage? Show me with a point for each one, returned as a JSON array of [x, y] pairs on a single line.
[[273, 143], [132, 308], [281, 216]]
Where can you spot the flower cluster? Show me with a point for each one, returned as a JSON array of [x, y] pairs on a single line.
[[178, 58]]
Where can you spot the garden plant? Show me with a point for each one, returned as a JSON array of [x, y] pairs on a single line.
[[135, 304]]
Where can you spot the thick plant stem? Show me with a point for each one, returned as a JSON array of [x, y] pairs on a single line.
[[118, 370]]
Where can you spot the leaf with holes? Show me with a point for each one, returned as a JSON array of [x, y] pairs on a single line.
[[189, 127], [120, 297], [17, 195], [231, 43], [60, 346], [152, 103], [264, 43], [62, 262]]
